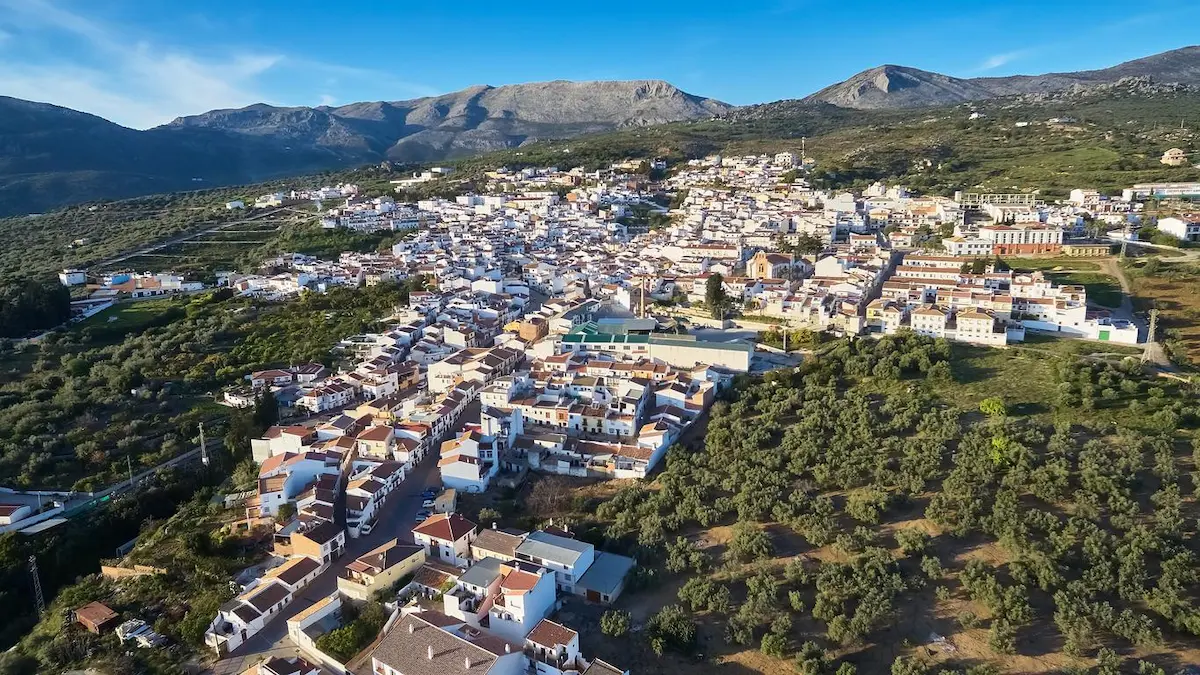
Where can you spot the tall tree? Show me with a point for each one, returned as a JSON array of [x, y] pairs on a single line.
[[28, 305], [714, 295], [266, 410]]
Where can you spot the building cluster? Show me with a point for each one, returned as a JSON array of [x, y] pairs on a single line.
[[473, 599], [372, 215], [934, 296], [545, 332], [135, 285], [276, 199]]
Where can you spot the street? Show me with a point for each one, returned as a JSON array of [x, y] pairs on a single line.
[[396, 520]]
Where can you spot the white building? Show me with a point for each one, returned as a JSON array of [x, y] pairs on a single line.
[[1183, 228]]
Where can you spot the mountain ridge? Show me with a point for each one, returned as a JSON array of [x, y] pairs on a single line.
[[478, 117], [51, 156], [895, 86]]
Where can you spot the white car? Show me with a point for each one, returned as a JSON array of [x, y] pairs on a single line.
[[428, 504]]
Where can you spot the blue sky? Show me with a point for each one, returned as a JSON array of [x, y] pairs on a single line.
[[143, 62]]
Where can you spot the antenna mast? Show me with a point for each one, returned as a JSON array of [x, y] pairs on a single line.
[[203, 448], [37, 586], [1150, 334]]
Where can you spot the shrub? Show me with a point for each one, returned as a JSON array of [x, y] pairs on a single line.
[[615, 623], [671, 628], [749, 543]]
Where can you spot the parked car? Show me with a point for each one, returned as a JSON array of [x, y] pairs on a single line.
[[422, 516], [428, 504]]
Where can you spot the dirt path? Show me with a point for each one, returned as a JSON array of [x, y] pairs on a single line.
[[1112, 268], [1154, 352]]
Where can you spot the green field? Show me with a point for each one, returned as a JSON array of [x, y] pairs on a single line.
[[1102, 289], [131, 316]]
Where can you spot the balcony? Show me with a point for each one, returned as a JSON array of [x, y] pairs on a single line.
[[548, 663], [465, 601]]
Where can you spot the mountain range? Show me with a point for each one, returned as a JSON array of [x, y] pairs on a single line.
[[51, 156], [890, 86]]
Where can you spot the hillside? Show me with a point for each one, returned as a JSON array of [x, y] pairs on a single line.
[[908, 506], [52, 156], [891, 86]]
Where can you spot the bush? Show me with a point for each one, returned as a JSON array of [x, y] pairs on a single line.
[[912, 541], [993, 407], [615, 623], [867, 505], [749, 543], [774, 644], [345, 642], [671, 628]]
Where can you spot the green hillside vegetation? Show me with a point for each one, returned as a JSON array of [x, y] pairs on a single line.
[[133, 382], [839, 517], [199, 553], [32, 304], [69, 555], [111, 228], [1174, 289]]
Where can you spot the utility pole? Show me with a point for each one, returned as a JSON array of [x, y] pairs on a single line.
[[1150, 334], [129, 465], [37, 586], [803, 151], [203, 449]]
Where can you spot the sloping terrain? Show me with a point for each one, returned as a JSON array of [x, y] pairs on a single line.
[[892, 86], [51, 156]]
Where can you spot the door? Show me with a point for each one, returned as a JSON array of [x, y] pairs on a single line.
[[593, 596]]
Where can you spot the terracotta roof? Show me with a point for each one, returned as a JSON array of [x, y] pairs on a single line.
[[376, 434], [272, 484], [519, 582], [273, 462], [548, 634], [447, 527], [433, 574]]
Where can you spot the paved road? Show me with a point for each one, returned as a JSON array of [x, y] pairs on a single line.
[[395, 521]]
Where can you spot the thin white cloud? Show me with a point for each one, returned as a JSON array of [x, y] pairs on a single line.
[[326, 99], [1000, 60], [142, 83]]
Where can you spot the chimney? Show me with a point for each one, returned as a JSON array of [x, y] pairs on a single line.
[[429, 654], [507, 648], [494, 525], [467, 663], [412, 627]]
